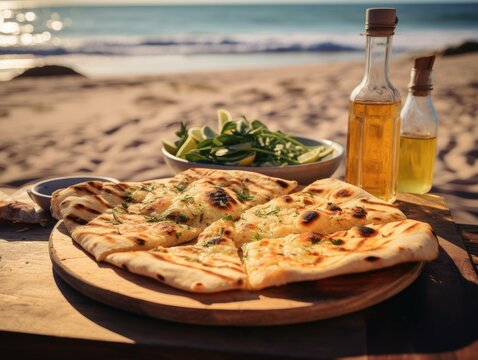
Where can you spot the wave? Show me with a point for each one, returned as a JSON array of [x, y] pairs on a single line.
[[190, 44], [183, 45]]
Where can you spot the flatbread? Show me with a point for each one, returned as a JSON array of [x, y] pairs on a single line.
[[310, 256], [324, 207], [105, 218], [201, 269]]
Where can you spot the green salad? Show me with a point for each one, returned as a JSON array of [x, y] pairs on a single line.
[[242, 142]]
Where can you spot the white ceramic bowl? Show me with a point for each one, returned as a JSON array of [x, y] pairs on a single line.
[[41, 191], [304, 174]]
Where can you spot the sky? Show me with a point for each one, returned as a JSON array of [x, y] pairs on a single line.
[[34, 3]]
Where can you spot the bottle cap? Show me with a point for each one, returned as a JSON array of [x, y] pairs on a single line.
[[380, 21], [420, 78]]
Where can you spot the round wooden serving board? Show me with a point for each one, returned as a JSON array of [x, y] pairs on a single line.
[[294, 303]]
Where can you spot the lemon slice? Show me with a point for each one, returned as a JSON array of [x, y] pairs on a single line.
[[170, 147], [222, 117], [311, 156], [188, 145], [196, 134], [247, 160], [207, 132], [326, 153]]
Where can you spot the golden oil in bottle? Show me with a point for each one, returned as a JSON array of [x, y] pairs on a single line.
[[417, 160], [419, 130], [372, 147]]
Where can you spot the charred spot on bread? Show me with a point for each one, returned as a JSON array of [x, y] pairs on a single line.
[[220, 199], [343, 193], [287, 199], [160, 277], [282, 183], [359, 212], [227, 232], [140, 241], [315, 190], [309, 217], [366, 231], [372, 258], [332, 207], [314, 238], [124, 266], [214, 241]]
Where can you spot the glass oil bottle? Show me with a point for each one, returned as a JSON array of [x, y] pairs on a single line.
[[374, 117], [418, 135]]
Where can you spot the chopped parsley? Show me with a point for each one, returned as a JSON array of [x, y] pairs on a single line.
[[117, 219], [337, 241], [178, 234], [228, 217], [148, 188], [245, 197], [264, 214], [187, 199], [129, 195], [152, 219], [256, 237], [182, 218], [180, 187]]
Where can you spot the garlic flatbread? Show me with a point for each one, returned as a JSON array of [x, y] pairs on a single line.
[[311, 256], [202, 269], [325, 206], [107, 218]]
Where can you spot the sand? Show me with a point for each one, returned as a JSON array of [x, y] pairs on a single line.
[[114, 127]]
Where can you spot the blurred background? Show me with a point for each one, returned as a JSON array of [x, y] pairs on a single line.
[[114, 37]]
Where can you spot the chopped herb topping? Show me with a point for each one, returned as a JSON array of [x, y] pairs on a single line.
[[228, 217], [264, 214], [337, 241], [245, 197], [256, 237], [148, 188], [180, 187], [178, 234], [152, 219], [187, 199], [182, 218], [117, 219], [129, 195]]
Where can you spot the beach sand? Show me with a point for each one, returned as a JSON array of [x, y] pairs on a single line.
[[113, 127]]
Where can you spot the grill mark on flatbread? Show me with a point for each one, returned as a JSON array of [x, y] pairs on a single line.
[[102, 201], [114, 193], [160, 277], [370, 202], [410, 228], [343, 193], [165, 259], [307, 201], [372, 258], [86, 208], [359, 212], [308, 217], [220, 199], [332, 207], [287, 199], [282, 183], [122, 186], [76, 219], [366, 231], [315, 190], [84, 189], [138, 240]]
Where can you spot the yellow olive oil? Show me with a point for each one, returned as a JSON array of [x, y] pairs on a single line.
[[417, 160], [372, 148]]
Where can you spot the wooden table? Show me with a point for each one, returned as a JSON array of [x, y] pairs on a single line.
[[42, 317]]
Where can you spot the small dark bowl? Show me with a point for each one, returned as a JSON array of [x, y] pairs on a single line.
[[41, 192], [304, 174]]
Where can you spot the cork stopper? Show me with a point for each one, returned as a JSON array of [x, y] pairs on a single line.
[[380, 21], [420, 78]]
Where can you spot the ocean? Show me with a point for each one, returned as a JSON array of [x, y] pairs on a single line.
[[138, 40]]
